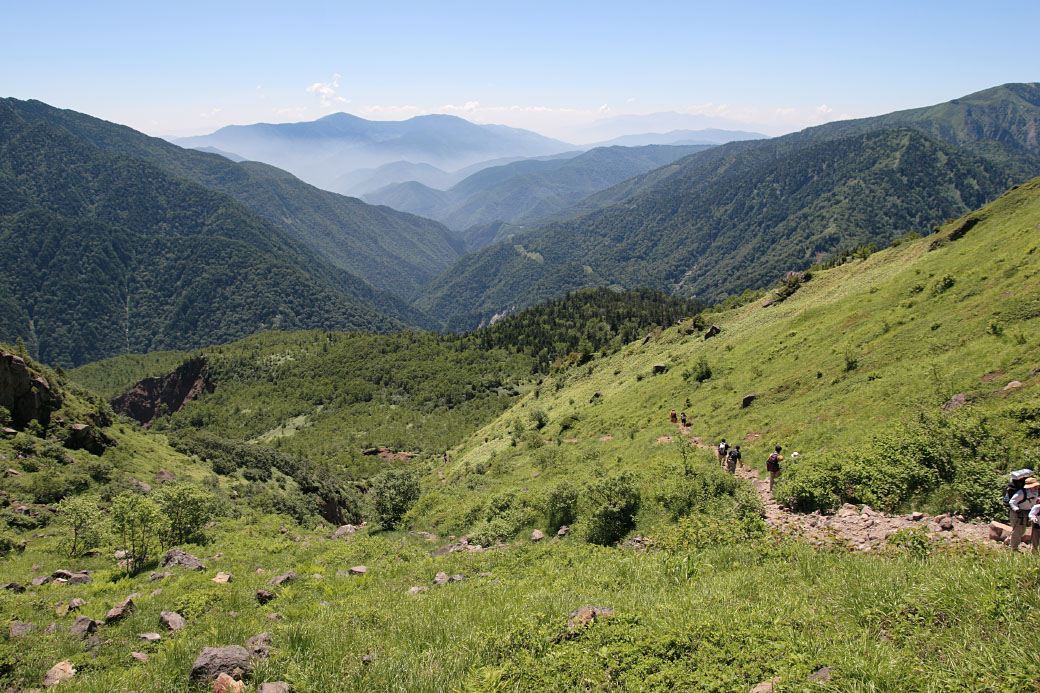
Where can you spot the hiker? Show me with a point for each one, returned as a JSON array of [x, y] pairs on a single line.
[[673, 416], [682, 418], [1019, 503], [723, 449], [732, 459], [773, 466], [1034, 514]]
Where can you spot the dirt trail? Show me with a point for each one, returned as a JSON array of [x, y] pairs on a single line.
[[861, 527]]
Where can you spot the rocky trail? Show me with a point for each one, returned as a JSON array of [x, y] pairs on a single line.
[[860, 527]]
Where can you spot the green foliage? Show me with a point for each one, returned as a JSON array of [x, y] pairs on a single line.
[[538, 418], [137, 522], [560, 505], [83, 522], [393, 492], [608, 508], [187, 509], [700, 372]]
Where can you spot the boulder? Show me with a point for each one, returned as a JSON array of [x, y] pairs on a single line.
[[766, 686], [172, 620], [76, 603], [999, 530], [955, 402], [163, 476], [440, 579], [823, 674], [283, 578], [222, 578], [712, 331], [83, 626], [80, 579], [13, 587], [226, 684], [563, 531], [179, 558], [263, 596], [213, 661], [746, 401], [61, 574], [20, 629], [344, 532], [915, 516], [62, 671], [159, 576], [150, 637], [359, 570], [139, 656], [260, 645], [25, 395], [1013, 385], [660, 368], [84, 437], [946, 524], [537, 535]]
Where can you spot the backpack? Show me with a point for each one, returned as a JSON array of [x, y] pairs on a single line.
[[773, 462], [723, 447], [1013, 487], [734, 454]]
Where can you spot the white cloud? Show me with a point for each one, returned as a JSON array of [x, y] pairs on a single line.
[[326, 91], [211, 113], [824, 108]]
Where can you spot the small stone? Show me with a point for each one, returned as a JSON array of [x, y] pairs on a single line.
[[915, 516], [83, 626], [440, 579], [76, 604], [946, 524], [222, 578], [537, 535], [274, 617], [275, 687], [172, 620], [416, 590], [226, 684], [824, 674], [563, 531], [263, 596], [156, 593], [359, 570], [120, 611], [41, 580], [139, 656], [766, 686], [260, 645], [62, 671], [457, 578], [20, 629], [51, 629], [483, 575], [159, 576], [283, 578], [586, 614], [150, 637], [369, 658]]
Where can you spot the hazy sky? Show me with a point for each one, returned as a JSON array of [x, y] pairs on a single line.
[[190, 67]]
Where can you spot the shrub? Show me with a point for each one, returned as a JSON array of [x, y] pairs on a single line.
[[100, 471], [701, 370], [137, 522], [609, 508], [393, 493], [82, 520], [51, 486], [560, 505], [187, 508], [539, 418]]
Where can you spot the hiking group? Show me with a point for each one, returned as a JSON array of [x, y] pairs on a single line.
[[729, 457], [1022, 498]]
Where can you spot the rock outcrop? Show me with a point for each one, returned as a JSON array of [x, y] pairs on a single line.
[[24, 393], [213, 661], [168, 393]]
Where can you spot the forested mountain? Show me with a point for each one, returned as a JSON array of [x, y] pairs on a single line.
[[322, 151], [390, 250], [526, 192], [740, 215], [107, 254]]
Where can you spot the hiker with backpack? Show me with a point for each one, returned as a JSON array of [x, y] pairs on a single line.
[[773, 466], [682, 419], [732, 459], [722, 450], [1019, 501], [672, 416]]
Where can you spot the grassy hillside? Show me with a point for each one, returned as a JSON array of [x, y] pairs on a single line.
[[392, 251], [712, 602], [108, 254]]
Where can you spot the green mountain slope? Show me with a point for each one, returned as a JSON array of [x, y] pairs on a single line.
[[526, 192], [650, 226], [107, 254], [392, 251]]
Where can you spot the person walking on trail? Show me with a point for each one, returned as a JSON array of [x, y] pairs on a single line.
[[1033, 489], [723, 449], [1019, 503], [773, 466], [682, 419], [672, 416], [732, 459]]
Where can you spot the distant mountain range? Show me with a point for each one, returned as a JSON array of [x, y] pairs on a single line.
[[739, 215], [525, 192], [682, 137], [119, 242], [321, 152]]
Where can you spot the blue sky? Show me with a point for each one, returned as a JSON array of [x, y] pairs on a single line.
[[190, 67]]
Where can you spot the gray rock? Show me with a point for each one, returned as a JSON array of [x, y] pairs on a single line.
[[62, 671], [14, 587], [260, 645], [41, 580], [275, 687], [150, 637], [80, 579], [172, 620], [179, 558], [283, 578], [359, 570], [946, 524], [159, 576], [83, 626], [416, 590], [232, 660], [440, 579], [120, 611], [537, 535], [139, 656], [20, 629], [824, 674], [63, 574], [51, 629], [263, 596], [563, 531], [746, 401], [76, 603], [956, 402]]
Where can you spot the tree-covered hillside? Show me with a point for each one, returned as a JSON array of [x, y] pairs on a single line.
[[107, 254], [392, 251]]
